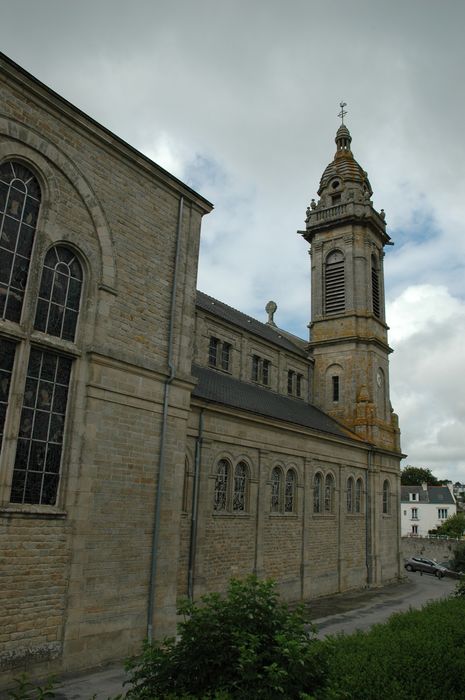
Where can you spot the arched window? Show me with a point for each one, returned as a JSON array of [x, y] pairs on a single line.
[[19, 210], [240, 487], [381, 394], [375, 295], [386, 497], [329, 493], [350, 495], [334, 283], [289, 495], [358, 495], [221, 485], [276, 487], [59, 293], [317, 493]]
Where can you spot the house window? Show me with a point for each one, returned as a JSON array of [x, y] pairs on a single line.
[[335, 380], [260, 370], [19, 210], [414, 529], [414, 515], [334, 283], [386, 498], [290, 382], [298, 385], [413, 496], [442, 513], [219, 354], [231, 487], [43, 374]]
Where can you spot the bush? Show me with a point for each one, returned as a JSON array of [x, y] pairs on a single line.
[[418, 654], [246, 645], [458, 562]]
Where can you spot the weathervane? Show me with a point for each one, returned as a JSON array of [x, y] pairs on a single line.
[[342, 113]]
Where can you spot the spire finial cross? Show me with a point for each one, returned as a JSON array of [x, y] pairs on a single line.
[[342, 113]]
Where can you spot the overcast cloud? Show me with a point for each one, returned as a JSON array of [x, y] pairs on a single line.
[[240, 100]]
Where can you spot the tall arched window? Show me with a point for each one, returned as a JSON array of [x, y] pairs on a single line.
[[334, 283], [276, 486], [386, 497], [358, 495], [381, 394], [19, 210], [375, 294], [240, 487], [317, 493], [221, 485], [329, 493], [350, 495], [289, 495], [59, 293]]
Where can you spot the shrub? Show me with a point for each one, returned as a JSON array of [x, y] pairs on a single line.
[[458, 562], [245, 645], [418, 654]]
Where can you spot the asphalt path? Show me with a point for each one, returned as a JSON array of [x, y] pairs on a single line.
[[414, 592]]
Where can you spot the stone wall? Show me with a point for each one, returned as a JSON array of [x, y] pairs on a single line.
[[438, 549]]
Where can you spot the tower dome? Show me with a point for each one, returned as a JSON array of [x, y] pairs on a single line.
[[344, 167]]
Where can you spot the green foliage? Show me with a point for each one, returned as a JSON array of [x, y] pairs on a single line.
[[418, 654], [452, 527], [247, 645], [26, 690], [460, 588], [458, 561], [415, 476]]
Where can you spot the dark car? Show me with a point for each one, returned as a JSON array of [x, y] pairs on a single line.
[[426, 566]]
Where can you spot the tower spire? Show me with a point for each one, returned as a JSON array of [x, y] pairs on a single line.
[[342, 113]]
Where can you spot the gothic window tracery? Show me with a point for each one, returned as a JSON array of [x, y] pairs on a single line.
[[317, 493], [231, 487], [289, 495], [20, 198], [221, 485], [32, 460], [358, 495], [329, 493], [350, 495], [276, 481]]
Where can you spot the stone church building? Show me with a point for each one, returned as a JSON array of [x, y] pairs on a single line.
[[156, 442]]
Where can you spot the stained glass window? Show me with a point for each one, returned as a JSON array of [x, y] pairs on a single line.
[[38, 454], [59, 294], [329, 488], [7, 355], [358, 496], [276, 477], [240, 486], [19, 209], [350, 495], [317, 485], [221, 485], [289, 496], [386, 497]]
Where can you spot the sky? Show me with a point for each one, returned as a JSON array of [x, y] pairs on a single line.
[[240, 100]]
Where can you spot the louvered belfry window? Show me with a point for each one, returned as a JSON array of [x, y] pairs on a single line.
[[375, 287], [334, 283]]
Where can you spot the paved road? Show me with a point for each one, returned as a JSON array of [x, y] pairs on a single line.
[[413, 593]]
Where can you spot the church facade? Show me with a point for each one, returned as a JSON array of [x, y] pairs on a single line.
[[156, 442]]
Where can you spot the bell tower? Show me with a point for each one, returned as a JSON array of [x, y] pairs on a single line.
[[348, 331]]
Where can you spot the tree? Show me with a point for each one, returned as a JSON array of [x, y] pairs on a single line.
[[452, 527], [246, 645], [415, 476]]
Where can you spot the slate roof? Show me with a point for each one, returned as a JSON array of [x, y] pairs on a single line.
[[222, 389], [433, 494], [263, 330]]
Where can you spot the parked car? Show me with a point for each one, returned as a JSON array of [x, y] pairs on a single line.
[[427, 566]]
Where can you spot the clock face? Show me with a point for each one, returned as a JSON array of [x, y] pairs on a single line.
[[379, 378]]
